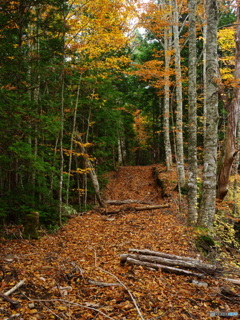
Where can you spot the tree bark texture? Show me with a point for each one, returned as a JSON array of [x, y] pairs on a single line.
[[230, 151], [204, 66], [179, 98], [208, 202], [192, 117], [166, 115]]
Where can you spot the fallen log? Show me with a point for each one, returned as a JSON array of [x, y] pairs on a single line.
[[160, 182], [196, 265], [162, 254], [107, 211], [156, 266], [128, 201], [152, 207]]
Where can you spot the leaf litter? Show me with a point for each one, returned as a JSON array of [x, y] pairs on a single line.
[[76, 272]]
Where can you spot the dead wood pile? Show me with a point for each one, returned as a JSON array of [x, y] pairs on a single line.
[[168, 262]]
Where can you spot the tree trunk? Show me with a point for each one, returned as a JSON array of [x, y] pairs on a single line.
[[61, 152], [92, 172], [204, 66], [192, 117], [167, 143], [71, 142], [236, 178], [62, 123], [208, 203], [230, 151], [179, 98]]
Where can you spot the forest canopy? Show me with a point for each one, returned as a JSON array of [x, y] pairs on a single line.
[[87, 86]]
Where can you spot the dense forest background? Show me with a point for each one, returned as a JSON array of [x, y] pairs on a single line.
[[87, 86]]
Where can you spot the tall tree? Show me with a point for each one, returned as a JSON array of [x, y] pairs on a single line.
[[208, 203], [192, 117], [166, 115], [232, 107], [179, 97]]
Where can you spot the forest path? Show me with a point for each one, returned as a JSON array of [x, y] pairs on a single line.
[[64, 271], [136, 183]]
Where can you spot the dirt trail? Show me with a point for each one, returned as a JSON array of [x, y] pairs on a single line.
[[133, 183], [62, 270]]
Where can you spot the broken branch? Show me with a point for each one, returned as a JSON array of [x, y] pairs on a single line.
[[18, 285]]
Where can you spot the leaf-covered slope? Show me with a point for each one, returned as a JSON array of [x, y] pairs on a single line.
[[64, 272]]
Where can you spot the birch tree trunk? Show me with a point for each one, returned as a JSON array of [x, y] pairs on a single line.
[[230, 151], [178, 73], [208, 203], [192, 117], [167, 52]]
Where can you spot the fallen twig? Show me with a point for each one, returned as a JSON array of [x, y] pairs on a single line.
[[5, 296], [129, 292], [18, 285], [15, 304]]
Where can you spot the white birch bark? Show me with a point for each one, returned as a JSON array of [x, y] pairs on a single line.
[[208, 203], [192, 117], [178, 75]]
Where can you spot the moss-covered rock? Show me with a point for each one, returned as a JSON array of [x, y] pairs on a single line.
[[31, 225], [68, 210], [205, 243]]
